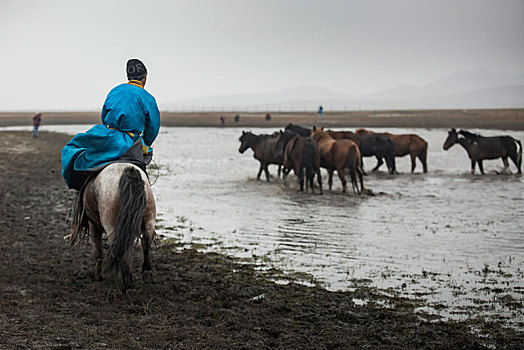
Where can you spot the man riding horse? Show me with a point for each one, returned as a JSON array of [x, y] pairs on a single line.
[[130, 117], [107, 164]]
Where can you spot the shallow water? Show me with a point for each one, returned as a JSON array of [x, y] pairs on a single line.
[[452, 239]]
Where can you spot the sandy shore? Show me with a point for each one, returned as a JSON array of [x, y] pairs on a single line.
[[503, 119], [50, 300]]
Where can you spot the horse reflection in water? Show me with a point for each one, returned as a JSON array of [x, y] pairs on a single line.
[[480, 148], [119, 202]]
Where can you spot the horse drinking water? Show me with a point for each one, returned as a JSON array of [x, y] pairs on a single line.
[[118, 202], [480, 148]]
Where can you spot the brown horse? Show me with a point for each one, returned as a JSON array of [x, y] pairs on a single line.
[[303, 153], [405, 144], [337, 135], [338, 155], [264, 148], [118, 202], [480, 148]]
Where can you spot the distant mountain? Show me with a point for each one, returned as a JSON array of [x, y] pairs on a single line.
[[456, 83], [466, 89]]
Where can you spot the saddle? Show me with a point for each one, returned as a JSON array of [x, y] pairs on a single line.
[[134, 155]]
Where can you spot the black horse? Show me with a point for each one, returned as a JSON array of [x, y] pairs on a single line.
[[264, 148], [302, 131], [479, 148], [380, 146]]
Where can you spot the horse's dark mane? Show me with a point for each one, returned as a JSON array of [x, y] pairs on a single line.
[[303, 131], [266, 136], [469, 135]]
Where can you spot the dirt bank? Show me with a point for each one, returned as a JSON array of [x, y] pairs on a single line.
[[49, 299], [504, 119]]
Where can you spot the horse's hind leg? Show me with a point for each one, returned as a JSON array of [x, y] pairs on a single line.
[[96, 233], [354, 183], [423, 159], [300, 174], [341, 176], [506, 165], [413, 162], [319, 179], [147, 239]]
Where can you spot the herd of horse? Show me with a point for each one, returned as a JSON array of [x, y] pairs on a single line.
[[306, 150], [119, 200]]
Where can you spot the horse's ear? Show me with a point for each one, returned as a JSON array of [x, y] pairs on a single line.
[[453, 130], [322, 128], [314, 128], [243, 132]]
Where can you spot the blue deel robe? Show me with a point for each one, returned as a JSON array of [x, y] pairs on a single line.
[[128, 109]]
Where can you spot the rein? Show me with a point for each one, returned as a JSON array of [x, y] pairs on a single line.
[[157, 173]]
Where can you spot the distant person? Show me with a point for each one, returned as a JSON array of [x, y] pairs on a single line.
[[237, 118], [268, 116], [130, 117], [321, 112], [222, 120], [37, 119]]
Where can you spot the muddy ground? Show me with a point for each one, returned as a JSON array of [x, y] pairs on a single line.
[[50, 300]]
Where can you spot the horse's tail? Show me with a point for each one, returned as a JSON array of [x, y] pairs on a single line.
[[355, 169], [424, 155], [519, 157], [129, 219], [308, 156]]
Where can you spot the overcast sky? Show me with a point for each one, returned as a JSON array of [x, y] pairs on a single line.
[[69, 54]]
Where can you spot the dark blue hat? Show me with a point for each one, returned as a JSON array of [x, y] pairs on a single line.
[[135, 69]]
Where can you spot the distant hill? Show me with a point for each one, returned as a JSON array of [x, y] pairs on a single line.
[[466, 89]]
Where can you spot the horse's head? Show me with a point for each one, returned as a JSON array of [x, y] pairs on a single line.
[[318, 133], [247, 140], [451, 139]]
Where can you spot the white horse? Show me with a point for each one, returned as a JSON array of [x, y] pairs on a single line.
[[118, 201]]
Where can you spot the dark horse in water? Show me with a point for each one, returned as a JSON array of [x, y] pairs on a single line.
[[405, 144], [339, 155], [118, 202], [380, 146], [480, 148], [302, 131], [264, 148], [301, 153]]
